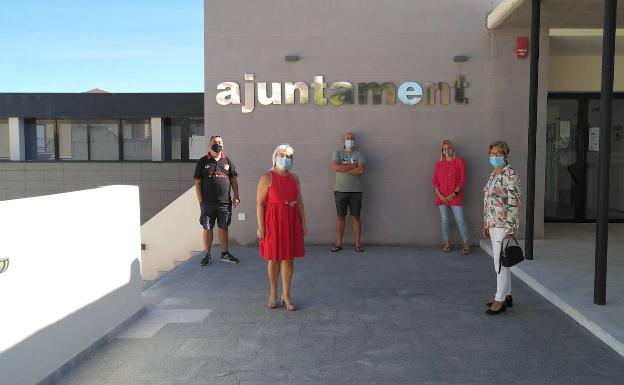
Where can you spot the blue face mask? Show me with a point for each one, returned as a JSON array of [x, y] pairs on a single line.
[[349, 143], [283, 163], [497, 161]]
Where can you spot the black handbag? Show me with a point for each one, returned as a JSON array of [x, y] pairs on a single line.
[[510, 255]]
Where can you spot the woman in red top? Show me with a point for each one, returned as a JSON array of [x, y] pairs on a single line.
[[281, 223], [448, 184]]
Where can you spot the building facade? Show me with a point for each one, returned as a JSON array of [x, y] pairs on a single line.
[[402, 77], [364, 42], [441, 75], [52, 143]]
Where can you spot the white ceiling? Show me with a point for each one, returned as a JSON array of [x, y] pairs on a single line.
[[560, 14]]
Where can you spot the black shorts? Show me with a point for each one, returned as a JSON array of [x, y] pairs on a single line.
[[352, 200], [212, 212]]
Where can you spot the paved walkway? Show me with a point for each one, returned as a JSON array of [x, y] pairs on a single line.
[[386, 316], [563, 272]]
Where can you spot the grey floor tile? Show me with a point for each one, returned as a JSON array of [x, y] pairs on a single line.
[[401, 322]]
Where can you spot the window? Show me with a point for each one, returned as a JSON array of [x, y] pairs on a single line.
[[86, 139], [104, 140], [4, 139], [137, 139], [73, 139], [184, 138], [173, 138], [197, 139], [40, 139]]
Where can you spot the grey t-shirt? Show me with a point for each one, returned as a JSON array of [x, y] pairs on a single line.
[[346, 182]]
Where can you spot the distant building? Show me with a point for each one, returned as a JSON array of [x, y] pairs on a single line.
[[63, 142]]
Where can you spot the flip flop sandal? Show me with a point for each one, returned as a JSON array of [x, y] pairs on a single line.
[[359, 249], [335, 248], [446, 249], [466, 250]]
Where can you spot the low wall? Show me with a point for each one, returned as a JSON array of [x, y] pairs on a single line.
[[74, 276], [160, 183], [171, 235]]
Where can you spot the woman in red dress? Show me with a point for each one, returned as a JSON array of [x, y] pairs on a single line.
[[281, 223]]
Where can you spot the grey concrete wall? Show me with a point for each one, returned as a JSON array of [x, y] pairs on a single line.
[[159, 183], [365, 40]]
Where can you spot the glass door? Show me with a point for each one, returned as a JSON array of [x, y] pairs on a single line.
[[616, 181], [562, 172], [572, 145]]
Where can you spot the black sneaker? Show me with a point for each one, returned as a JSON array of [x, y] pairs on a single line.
[[206, 260], [227, 257]]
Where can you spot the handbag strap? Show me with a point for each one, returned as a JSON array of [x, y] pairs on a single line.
[[509, 239], [500, 257]]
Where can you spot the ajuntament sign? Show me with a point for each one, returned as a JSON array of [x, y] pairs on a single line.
[[409, 93]]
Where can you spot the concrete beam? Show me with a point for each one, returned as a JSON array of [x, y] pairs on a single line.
[[502, 11]]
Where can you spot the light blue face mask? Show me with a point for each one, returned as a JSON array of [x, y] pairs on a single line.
[[283, 163], [349, 143], [497, 161]]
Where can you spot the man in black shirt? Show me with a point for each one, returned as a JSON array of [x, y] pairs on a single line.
[[214, 175]]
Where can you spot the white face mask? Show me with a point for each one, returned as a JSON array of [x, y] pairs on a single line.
[[349, 143]]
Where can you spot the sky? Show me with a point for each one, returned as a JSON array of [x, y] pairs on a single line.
[[115, 45]]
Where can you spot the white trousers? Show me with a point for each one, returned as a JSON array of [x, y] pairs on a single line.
[[503, 279]]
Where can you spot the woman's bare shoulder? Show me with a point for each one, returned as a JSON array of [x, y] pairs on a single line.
[[266, 177]]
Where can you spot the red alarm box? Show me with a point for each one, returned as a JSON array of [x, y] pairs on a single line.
[[522, 47]]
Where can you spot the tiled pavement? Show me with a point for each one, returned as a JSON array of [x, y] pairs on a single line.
[[386, 316]]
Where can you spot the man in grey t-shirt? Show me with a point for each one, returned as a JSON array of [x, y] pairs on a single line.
[[349, 166]]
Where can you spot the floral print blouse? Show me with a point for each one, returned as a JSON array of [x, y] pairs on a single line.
[[501, 200]]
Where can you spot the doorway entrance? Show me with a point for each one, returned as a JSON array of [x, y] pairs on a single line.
[[572, 144]]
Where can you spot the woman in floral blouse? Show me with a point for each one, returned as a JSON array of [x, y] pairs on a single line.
[[501, 205]]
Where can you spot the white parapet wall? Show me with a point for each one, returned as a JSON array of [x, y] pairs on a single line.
[[73, 277], [171, 235]]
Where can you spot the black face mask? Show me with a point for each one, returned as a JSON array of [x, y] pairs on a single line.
[[216, 148]]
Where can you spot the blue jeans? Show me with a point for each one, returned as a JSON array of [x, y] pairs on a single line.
[[458, 213]]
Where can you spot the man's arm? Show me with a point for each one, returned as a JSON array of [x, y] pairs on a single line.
[[342, 167], [197, 181], [358, 170], [198, 190], [234, 183]]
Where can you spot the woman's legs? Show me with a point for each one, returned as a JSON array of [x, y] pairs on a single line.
[[274, 270], [445, 224], [458, 213], [503, 280], [287, 273]]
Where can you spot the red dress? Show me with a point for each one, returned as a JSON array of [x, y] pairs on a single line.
[[283, 237]]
